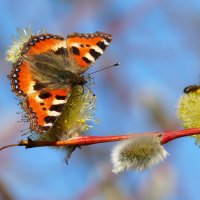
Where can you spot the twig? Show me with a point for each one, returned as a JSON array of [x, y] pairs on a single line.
[[88, 140], [171, 135], [4, 192], [8, 146]]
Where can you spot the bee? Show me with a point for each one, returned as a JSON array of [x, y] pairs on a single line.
[[191, 88]]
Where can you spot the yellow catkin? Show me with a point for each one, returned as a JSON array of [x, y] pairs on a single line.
[[77, 116], [189, 111], [14, 51]]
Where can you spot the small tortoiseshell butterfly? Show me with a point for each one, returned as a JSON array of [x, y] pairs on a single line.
[[48, 68]]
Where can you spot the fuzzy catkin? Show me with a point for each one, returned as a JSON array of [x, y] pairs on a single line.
[[137, 153]]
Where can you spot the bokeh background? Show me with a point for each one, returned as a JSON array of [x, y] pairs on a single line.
[[157, 43]]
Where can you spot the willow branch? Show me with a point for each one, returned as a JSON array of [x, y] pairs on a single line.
[[89, 140]]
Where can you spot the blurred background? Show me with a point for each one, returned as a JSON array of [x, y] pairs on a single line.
[[157, 43]]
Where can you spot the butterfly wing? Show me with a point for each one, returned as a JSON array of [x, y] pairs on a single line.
[[23, 79], [86, 48], [43, 57], [44, 108], [43, 105], [38, 44]]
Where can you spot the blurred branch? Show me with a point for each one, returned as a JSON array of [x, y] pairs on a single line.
[[166, 137], [4, 194]]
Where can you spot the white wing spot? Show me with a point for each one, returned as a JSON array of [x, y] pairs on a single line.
[[38, 99], [105, 42], [56, 101], [89, 57], [53, 113], [48, 124], [75, 44], [97, 49], [60, 45], [31, 88]]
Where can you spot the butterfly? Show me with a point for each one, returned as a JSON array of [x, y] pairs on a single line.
[[48, 68]]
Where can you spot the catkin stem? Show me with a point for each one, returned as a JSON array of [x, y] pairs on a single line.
[[88, 140]]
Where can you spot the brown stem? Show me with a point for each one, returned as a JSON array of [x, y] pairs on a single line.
[[88, 140], [8, 146]]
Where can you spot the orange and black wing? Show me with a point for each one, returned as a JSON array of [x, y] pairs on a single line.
[[42, 104], [86, 48], [22, 77], [44, 108]]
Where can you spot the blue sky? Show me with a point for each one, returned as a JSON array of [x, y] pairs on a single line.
[[157, 44]]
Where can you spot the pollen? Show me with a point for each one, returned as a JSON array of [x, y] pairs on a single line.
[[77, 116], [189, 111], [14, 51]]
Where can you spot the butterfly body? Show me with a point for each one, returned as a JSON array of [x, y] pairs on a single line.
[[55, 71], [48, 68]]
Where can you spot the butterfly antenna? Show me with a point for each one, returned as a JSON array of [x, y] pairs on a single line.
[[90, 90], [116, 64]]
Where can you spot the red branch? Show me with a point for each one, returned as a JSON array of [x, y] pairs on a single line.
[[88, 140], [171, 135]]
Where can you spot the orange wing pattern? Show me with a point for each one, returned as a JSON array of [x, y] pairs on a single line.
[[42, 105], [86, 48], [43, 43], [45, 107], [21, 78]]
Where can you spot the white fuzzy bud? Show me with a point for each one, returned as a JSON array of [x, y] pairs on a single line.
[[138, 153]]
